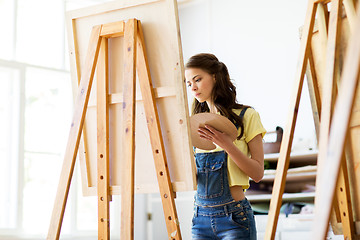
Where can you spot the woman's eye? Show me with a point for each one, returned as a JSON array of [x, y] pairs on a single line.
[[198, 80]]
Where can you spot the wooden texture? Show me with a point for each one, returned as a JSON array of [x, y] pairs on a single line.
[[111, 30], [349, 6], [314, 92], [157, 144], [163, 46], [217, 121], [103, 178], [127, 190], [81, 102], [342, 125], [329, 84], [285, 149], [344, 201]]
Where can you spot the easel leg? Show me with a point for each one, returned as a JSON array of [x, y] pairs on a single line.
[[162, 171], [74, 135], [103, 143], [127, 185], [329, 85], [338, 134], [283, 162], [344, 201], [314, 92]]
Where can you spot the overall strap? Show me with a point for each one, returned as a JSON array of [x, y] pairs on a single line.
[[243, 112], [241, 115]]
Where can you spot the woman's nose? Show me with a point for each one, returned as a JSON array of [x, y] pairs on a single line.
[[193, 87]]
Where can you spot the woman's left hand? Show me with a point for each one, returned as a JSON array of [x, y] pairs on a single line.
[[219, 138]]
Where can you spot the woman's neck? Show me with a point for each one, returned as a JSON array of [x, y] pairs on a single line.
[[212, 107]]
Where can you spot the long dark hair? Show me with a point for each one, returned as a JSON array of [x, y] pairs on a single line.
[[224, 92]]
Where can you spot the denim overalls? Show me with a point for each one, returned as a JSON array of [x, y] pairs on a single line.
[[216, 214]]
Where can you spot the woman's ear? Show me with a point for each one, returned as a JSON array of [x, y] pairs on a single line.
[[213, 76]]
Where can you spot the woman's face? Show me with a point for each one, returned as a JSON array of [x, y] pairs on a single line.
[[200, 83]]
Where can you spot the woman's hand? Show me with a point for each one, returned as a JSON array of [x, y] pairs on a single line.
[[219, 138]]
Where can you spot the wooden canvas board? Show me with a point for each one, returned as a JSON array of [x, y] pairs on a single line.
[[353, 148], [160, 26]]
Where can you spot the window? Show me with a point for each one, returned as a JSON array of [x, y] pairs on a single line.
[[9, 145], [7, 22], [36, 108], [48, 101]]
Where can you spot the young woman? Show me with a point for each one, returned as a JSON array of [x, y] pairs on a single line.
[[221, 210]]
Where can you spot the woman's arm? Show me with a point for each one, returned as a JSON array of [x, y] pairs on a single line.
[[254, 166]]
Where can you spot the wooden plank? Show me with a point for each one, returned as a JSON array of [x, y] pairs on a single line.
[[338, 133], [157, 144], [285, 149], [115, 29], [76, 74], [344, 201], [128, 170], [323, 25], [350, 13], [160, 92], [287, 197], [329, 85], [103, 180], [74, 135], [181, 93], [295, 157], [352, 153], [314, 92]]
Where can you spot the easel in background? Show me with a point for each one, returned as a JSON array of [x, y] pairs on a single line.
[[339, 135], [135, 62], [322, 102]]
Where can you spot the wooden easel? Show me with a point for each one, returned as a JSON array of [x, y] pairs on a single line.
[[339, 135], [329, 29], [135, 60]]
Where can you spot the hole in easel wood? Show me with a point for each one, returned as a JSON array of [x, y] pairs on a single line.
[[161, 173], [344, 214], [101, 177], [101, 156], [341, 189], [101, 198], [101, 219], [165, 195], [169, 217], [157, 151]]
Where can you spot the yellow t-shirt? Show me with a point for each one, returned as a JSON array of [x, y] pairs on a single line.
[[252, 127]]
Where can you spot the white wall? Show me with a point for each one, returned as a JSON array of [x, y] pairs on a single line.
[[259, 42]]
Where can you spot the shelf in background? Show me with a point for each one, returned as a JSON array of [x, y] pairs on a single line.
[[287, 197], [295, 157], [294, 174]]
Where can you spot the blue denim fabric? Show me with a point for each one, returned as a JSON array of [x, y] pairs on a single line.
[[228, 222], [212, 179], [216, 214]]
